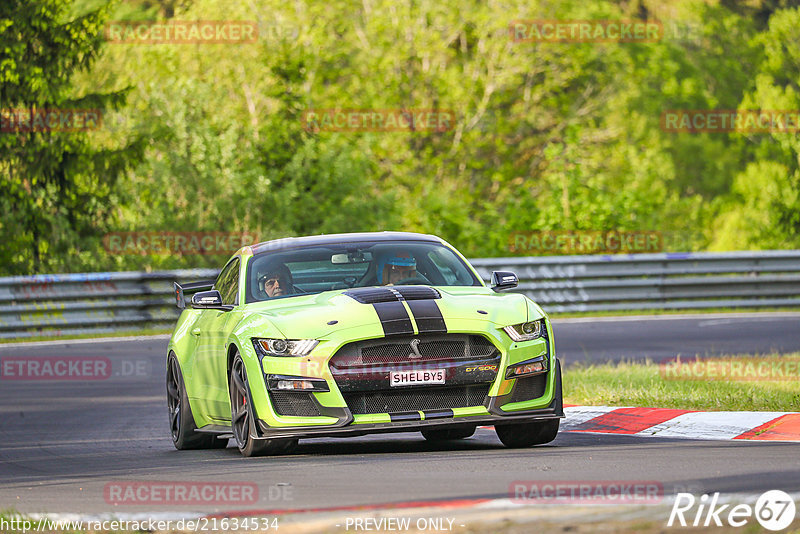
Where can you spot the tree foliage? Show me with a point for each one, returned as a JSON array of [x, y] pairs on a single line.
[[58, 187], [547, 136]]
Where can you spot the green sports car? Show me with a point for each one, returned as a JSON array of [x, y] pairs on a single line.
[[352, 334]]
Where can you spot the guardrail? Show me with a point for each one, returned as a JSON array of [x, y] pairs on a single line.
[[665, 281], [112, 302], [88, 303]]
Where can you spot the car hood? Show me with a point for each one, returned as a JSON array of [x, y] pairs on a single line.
[[316, 316]]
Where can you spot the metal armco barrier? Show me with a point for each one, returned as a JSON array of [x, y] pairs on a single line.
[[112, 302], [90, 302], [665, 281]]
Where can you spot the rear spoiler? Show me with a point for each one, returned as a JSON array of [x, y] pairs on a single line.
[[191, 287]]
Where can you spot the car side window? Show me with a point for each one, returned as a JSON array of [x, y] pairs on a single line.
[[228, 283], [446, 273]]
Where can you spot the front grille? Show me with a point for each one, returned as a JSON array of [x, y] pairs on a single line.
[[430, 348], [528, 388], [396, 353], [412, 399], [293, 403]]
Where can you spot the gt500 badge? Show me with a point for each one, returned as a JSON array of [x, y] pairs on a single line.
[[481, 368]]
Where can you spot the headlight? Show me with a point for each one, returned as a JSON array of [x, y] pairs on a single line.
[[526, 331], [284, 347]]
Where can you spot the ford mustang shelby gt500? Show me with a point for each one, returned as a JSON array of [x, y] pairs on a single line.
[[351, 334]]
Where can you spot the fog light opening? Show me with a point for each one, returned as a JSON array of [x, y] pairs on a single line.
[[527, 369], [295, 384]]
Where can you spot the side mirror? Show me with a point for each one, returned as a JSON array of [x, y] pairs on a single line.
[[209, 300], [503, 280]]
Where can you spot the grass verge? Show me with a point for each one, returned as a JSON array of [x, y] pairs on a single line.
[[648, 384]]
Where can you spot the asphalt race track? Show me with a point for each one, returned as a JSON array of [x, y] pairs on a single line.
[[666, 336], [63, 442]]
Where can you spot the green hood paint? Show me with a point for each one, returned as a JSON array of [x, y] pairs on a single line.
[[307, 316]]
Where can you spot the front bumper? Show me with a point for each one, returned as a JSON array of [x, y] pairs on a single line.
[[416, 421], [348, 408]]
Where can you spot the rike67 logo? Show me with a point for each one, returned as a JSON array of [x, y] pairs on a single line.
[[774, 510]]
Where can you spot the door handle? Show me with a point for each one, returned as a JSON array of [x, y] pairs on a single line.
[[196, 332]]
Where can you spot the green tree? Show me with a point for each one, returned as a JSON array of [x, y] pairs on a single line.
[[763, 207], [57, 186]]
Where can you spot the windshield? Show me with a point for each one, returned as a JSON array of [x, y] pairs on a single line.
[[315, 269]]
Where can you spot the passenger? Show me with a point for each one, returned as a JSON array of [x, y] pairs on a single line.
[[396, 267]]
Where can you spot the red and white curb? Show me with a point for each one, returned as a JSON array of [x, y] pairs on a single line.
[[690, 424]]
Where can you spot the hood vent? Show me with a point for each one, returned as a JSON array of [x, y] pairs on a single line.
[[374, 295], [417, 292]]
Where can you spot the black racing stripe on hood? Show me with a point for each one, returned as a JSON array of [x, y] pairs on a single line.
[[394, 318], [428, 317]]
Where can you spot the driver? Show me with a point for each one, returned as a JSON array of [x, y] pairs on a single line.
[[397, 266], [276, 281]]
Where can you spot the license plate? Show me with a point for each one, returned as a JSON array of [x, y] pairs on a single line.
[[418, 377]]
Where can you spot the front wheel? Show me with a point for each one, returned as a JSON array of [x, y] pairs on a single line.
[[181, 421], [521, 435], [243, 422]]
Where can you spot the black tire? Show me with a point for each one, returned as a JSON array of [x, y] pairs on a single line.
[[448, 434], [181, 421], [243, 423], [528, 434]]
